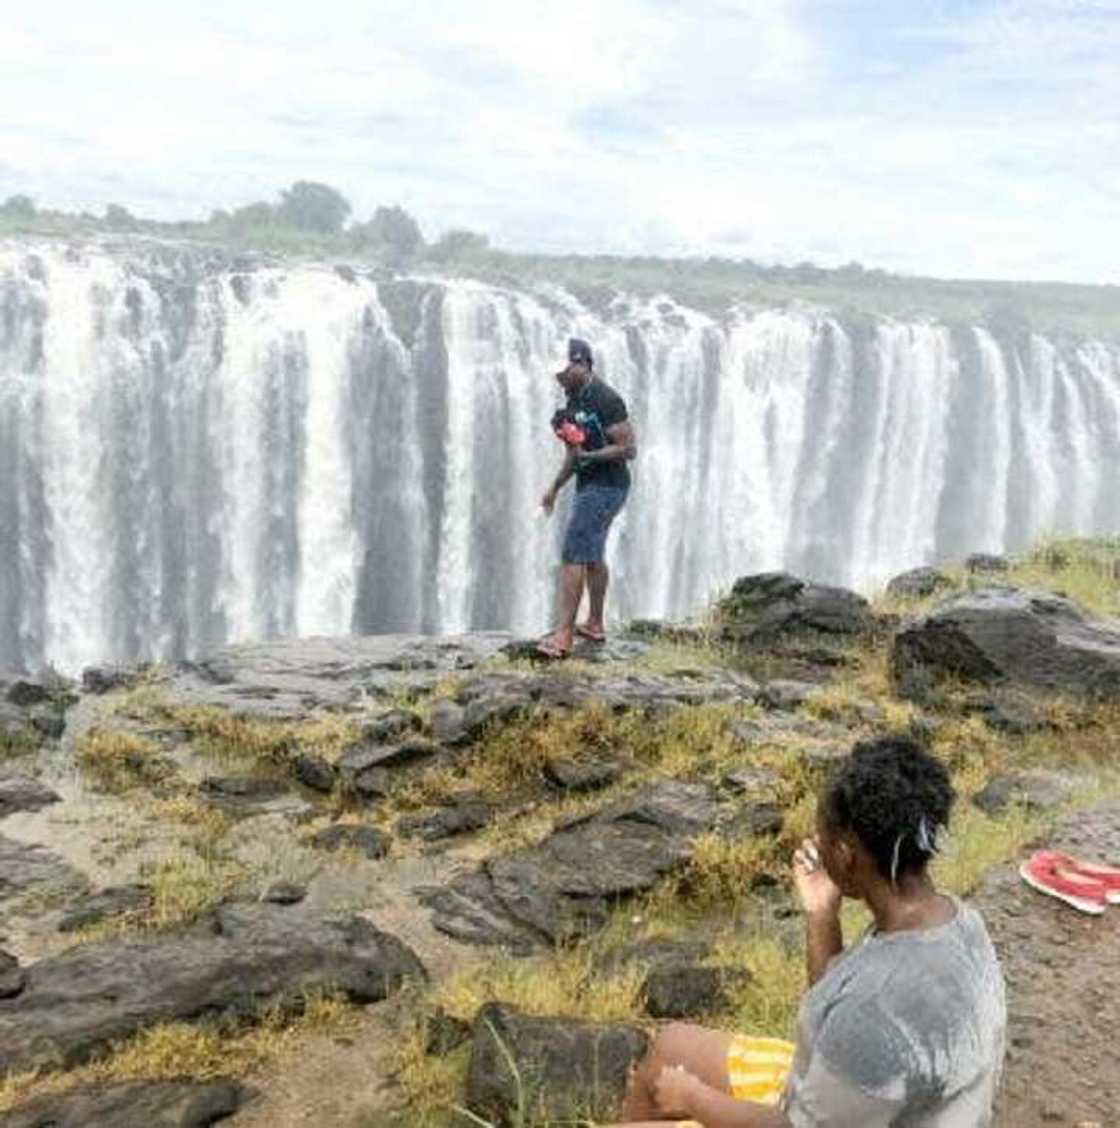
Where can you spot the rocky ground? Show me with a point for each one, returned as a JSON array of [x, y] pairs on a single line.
[[347, 881]]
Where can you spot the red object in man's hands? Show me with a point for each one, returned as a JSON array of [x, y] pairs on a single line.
[[571, 433]]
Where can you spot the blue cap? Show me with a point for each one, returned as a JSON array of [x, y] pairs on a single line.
[[579, 352]]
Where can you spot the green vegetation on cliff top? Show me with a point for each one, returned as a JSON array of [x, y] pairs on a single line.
[[313, 220]]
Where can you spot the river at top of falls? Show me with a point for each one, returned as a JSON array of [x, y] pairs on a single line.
[[192, 454]]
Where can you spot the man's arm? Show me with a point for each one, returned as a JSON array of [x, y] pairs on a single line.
[[571, 457], [622, 445]]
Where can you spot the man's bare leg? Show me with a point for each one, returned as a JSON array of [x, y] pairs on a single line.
[[701, 1051], [572, 581], [598, 579]]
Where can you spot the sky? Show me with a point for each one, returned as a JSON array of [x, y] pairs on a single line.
[[959, 138]]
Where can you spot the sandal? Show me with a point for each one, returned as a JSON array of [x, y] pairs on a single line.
[[590, 635], [551, 651]]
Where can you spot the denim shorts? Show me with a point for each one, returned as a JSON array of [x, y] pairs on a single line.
[[595, 508]]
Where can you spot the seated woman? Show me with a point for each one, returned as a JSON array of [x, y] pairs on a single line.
[[906, 1027]]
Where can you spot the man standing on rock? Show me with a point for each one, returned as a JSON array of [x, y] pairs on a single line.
[[599, 441]]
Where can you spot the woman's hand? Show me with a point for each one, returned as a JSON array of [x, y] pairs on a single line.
[[673, 1090], [819, 896]]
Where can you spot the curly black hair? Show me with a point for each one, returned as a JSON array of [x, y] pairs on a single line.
[[895, 797]]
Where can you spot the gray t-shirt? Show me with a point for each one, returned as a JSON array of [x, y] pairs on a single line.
[[904, 1029]]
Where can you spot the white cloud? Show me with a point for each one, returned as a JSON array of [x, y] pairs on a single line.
[[982, 141]]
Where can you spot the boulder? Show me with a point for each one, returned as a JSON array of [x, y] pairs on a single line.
[[22, 793], [786, 695], [529, 1070], [652, 954], [105, 679], [763, 608], [133, 1104], [986, 563], [243, 958], [314, 772], [563, 889], [365, 840], [12, 976], [284, 893], [112, 901], [582, 775], [1036, 790], [752, 819], [684, 990], [242, 790], [391, 725], [447, 721], [464, 816], [1000, 636], [363, 755], [749, 780], [444, 1033], [918, 583]]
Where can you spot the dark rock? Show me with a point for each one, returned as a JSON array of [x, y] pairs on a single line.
[[918, 583], [786, 695], [752, 732], [242, 790], [371, 784], [690, 991], [47, 721], [752, 819], [252, 956], [983, 563], [1036, 790], [500, 708], [314, 772], [555, 1068], [1006, 636], [1012, 715], [109, 902], [360, 757], [12, 976], [286, 678], [133, 1104], [652, 954], [105, 679], [749, 780], [582, 775], [22, 793], [564, 888], [391, 725], [27, 691], [763, 608], [284, 893], [445, 1033], [366, 840], [27, 869], [448, 722], [463, 817]]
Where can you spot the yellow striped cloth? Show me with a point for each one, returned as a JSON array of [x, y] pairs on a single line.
[[757, 1069]]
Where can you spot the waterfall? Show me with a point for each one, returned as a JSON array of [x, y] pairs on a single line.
[[196, 449]]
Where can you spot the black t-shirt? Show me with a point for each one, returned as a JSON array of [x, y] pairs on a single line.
[[596, 407]]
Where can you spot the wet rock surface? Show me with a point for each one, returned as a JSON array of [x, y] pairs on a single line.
[[241, 958], [286, 678], [133, 1104], [555, 1067], [1007, 636]]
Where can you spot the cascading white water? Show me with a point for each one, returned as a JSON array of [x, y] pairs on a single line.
[[196, 451]]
